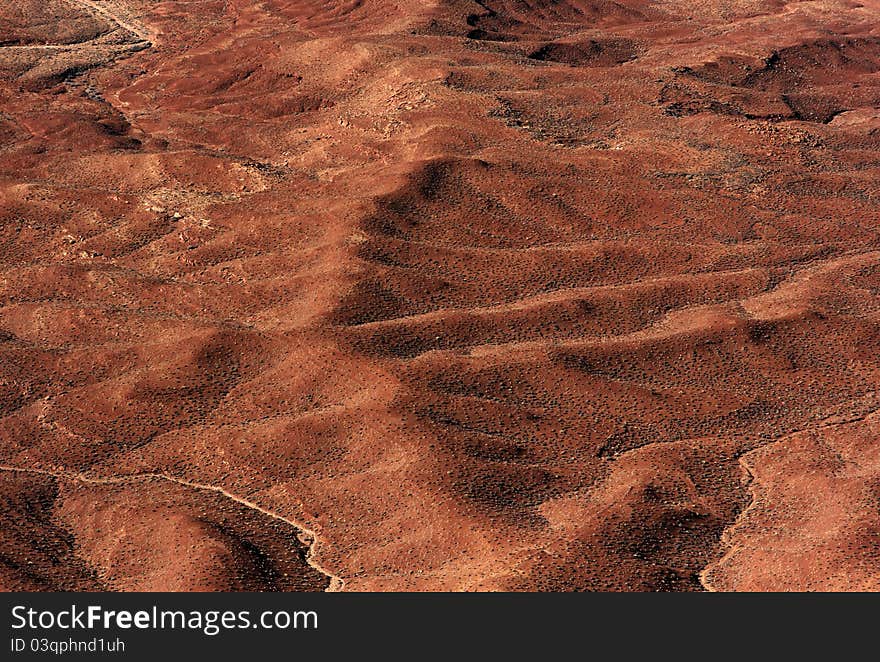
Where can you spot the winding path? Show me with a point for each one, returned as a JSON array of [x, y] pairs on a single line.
[[97, 8], [336, 583], [143, 38]]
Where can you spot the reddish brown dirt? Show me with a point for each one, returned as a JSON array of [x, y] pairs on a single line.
[[304, 295]]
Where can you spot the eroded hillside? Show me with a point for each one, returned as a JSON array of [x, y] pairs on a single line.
[[373, 295]]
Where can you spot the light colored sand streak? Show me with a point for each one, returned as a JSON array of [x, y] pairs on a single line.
[[144, 39], [336, 583]]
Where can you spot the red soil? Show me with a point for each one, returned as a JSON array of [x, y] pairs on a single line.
[[412, 296]]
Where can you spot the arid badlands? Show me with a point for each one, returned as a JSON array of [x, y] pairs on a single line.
[[440, 295]]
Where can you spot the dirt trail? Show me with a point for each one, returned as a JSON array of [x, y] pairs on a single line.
[[336, 583], [729, 541], [142, 35], [132, 26]]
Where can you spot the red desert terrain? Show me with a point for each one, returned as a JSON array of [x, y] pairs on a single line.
[[440, 295]]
